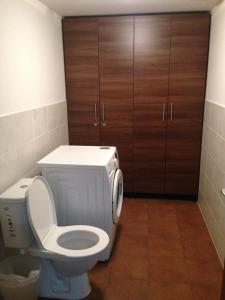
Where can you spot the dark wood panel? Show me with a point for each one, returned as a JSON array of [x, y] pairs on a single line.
[[150, 83], [183, 159], [187, 81], [185, 113], [189, 52], [83, 114], [84, 135], [80, 35], [80, 38], [133, 82], [82, 74], [190, 38], [150, 115], [152, 39], [152, 54], [116, 89], [116, 69], [149, 159], [151, 77], [149, 148]]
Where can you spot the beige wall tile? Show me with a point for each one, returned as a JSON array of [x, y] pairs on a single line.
[[213, 228], [26, 157], [28, 136], [42, 146], [9, 169], [39, 121], [212, 176], [23, 125]]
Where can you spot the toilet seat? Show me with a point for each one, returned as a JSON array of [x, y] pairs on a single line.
[[66, 242], [51, 243]]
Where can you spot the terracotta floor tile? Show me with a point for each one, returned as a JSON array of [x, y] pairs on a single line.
[[126, 289], [162, 251], [139, 229], [162, 247], [189, 215], [168, 291], [132, 244], [167, 230], [97, 293], [205, 293], [204, 273], [190, 231], [135, 209], [183, 205], [167, 270], [200, 250], [162, 214], [129, 267], [117, 290], [161, 203], [100, 273]]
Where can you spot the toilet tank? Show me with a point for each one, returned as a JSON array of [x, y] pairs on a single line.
[[13, 215]]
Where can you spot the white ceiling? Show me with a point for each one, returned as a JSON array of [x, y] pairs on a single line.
[[110, 7]]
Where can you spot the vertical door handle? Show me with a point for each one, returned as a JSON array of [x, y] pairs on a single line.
[[103, 114], [171, 111], [163, 112], [96, 121]]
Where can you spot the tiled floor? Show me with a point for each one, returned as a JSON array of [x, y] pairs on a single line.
[[163, 252]]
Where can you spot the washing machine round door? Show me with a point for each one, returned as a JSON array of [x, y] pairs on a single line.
[[117, 200]]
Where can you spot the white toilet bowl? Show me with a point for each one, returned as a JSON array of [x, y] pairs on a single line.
[[74, 250]]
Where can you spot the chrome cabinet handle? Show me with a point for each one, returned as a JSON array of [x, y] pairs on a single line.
[[96, 121], [163, 112], [103, 115], [171, 111]]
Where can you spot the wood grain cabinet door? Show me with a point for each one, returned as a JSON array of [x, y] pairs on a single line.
[[187, 82], [151, 74], [184, 133], [149, 148], [190, 38], [116, 89], [82, 79]]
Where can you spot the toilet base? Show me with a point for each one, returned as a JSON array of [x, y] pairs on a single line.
[[54, 285]]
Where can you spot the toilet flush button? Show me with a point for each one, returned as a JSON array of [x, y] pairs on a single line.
[[24, 186]]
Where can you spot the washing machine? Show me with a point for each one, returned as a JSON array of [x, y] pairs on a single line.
[[87, 185]]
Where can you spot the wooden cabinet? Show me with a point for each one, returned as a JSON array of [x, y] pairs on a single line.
[[151, 76], [80, 37], [138, 82], [99, 81], [190, 38], [116, 88], [187, 80]]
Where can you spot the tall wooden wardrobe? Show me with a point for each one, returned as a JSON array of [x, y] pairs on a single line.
[[138, 82]]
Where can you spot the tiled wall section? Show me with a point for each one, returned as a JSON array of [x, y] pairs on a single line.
[[26, 137], [212, 177]]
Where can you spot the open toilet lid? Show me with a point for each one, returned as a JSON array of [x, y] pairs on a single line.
[[41, 208]]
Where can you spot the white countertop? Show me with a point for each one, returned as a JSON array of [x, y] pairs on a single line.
[[77, 156]]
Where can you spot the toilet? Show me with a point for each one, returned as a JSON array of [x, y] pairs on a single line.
[[68, 252]]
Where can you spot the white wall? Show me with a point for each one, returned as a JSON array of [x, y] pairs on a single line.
[[31, 56], [212, 175], [216, 69], [33, 114]]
